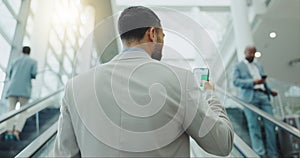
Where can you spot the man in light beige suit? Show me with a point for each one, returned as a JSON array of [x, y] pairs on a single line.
[[136, 106]]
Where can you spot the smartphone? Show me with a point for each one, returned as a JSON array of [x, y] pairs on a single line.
[[201, 74]]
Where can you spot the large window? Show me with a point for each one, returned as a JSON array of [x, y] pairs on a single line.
[[70, 24], [8, 22], [15, 5], [9, 11], [66, 35], [5, 50]]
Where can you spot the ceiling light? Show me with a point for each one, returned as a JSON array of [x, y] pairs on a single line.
[[273, 35], [257, 54]]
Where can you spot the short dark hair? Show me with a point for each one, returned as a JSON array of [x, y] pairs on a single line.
[[135, 21], [26, 50], [250, 47]]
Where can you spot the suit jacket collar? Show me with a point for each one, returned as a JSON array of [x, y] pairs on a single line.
[[132, 54], [243, 63]]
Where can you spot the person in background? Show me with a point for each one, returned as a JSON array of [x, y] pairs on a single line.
[[132, 80], [20, 74], [250, 77]]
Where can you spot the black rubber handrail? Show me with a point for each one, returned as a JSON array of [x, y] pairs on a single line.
[[11, 114]]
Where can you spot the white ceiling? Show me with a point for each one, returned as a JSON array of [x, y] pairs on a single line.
[[175, 3], [283, 17]]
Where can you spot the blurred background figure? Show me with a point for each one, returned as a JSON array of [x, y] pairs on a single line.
[[250, 77], [19, 90]]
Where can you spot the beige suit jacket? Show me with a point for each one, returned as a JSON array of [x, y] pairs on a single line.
[[135, 106]]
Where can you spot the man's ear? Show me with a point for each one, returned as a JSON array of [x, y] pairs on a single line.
[[152, 34]]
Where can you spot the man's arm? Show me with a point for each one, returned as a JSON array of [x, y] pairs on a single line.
[[65, 143], [210, 127], [34, 70], [268, 89], [240, 82]]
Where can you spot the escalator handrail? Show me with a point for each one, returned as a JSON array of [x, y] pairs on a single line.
[[39, 142], [13, 113], [290, 129]]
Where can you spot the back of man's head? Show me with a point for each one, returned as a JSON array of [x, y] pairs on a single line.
[[134, 22], [26, 50]]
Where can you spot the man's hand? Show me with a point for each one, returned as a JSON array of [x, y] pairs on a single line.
[[274, 93], [259, 81], [208, 85]]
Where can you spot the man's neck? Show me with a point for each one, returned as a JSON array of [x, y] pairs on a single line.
[[138, 45]]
